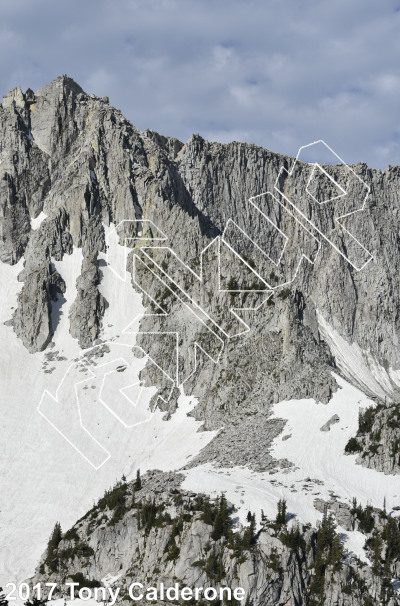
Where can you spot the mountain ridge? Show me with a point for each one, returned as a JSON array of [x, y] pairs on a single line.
[[81, 186]]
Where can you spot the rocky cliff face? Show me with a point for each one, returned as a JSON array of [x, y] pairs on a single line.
[[76, 159], [377, 442]]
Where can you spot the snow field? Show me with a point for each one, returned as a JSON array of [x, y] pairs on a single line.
[[320, 467], [43, 479]]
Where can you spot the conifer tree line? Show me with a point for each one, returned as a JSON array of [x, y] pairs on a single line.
[[323, 545]]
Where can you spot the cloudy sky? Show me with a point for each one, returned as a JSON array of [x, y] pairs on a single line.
[[279, 73]]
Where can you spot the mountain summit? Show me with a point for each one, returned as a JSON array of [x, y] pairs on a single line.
[[153, 288]]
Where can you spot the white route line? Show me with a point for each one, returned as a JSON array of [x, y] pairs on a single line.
[[344, 192], [80, 367], [144, 222], [57, 400], [186, 304], [188, 301], [336, 219]]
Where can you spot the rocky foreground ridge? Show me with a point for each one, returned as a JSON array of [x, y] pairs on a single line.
[[154, 532]]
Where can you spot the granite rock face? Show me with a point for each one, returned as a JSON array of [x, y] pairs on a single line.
[[42, 284], [33, 324], [76, 159], [377, 442], [89, 304]]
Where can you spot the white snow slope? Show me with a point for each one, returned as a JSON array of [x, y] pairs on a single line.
[[43, 478]]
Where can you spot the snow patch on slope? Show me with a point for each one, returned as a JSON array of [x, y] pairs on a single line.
[[321, 454], [124, 303], [35, 223], [321, 469], [42, 478], [69, 269], [357, 365]]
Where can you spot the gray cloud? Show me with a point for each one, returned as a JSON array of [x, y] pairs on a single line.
[[279, 73]]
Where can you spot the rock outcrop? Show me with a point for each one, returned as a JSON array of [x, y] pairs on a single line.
[[33, 320], [332, 421], [377, 441], [88, 307], [158, 533]]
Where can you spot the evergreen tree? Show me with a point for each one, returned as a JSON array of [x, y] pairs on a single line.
[[3, 601], [281, 515], [56, 536], [222, 523], [293, 539], [207, 516], [214, 567], [376, 548], [148, 515], [366, 519], [173, 551], [138, 482], [391, 536], [35, 602], [336, 553], [323, 555], [326, 532], [52, 548], [249, 532]]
